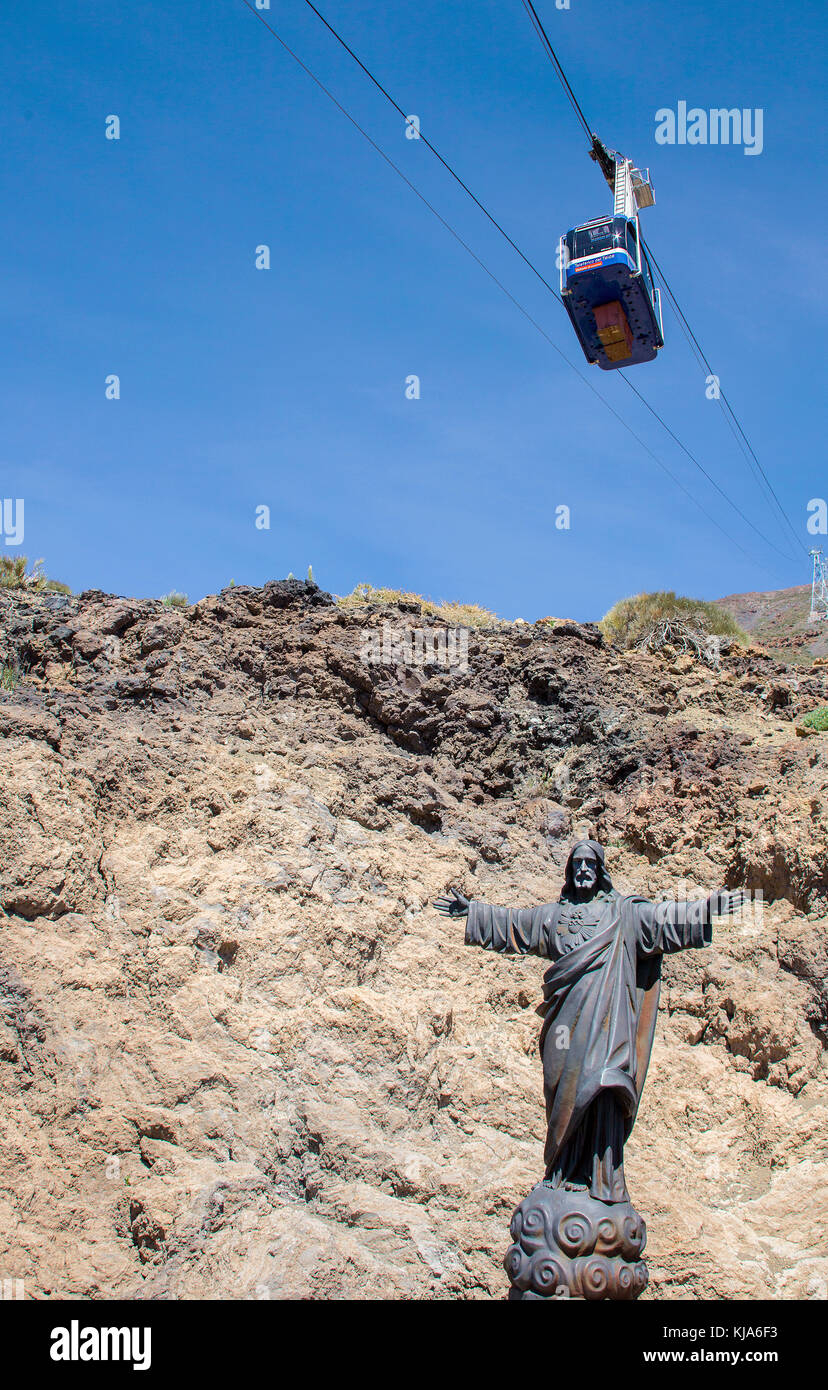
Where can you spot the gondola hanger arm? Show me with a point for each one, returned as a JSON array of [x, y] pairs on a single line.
[[632, 189]]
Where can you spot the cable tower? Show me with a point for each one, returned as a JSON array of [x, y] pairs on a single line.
[[819, 588]]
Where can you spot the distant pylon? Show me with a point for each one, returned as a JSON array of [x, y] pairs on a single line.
[[819, 588]]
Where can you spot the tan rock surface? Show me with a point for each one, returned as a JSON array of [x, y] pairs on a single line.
[[241, 1056]]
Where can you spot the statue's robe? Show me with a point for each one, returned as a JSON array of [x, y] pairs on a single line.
[[600, 1001]]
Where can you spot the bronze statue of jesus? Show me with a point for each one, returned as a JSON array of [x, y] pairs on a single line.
[[600, 1001]]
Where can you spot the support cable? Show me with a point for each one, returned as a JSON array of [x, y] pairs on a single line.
[[729, 413], [318, 83]]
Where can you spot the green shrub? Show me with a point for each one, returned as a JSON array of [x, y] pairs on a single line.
[[12, 669], [816, 719], [12, 571], [631, 620], [174, 599]]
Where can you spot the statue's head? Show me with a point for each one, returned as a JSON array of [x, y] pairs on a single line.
[[586, 874], [585, 869]]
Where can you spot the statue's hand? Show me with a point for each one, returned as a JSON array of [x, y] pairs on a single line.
[[727, 901], [453, 904]]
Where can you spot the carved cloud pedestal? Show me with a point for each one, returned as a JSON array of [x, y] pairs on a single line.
[[567, 1244]]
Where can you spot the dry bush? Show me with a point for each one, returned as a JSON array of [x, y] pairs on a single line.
[[648, 620], [14, 575], [453, 614]]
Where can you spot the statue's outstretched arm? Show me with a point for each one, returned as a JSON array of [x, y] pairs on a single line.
[[681, 925], [512, 930]]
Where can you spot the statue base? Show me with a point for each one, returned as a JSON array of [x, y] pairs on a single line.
[[567, 1244]]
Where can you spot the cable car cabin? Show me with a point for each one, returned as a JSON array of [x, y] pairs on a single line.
[[607, 288]]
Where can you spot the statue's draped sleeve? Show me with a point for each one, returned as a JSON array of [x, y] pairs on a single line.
[[672, 926], [511, 930]]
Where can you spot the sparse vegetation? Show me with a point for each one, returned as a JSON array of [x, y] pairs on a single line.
[[638, 621], [540, 782], [10, 675], [174, 599], [310, 579], [816, 719], [14, 575], [12, 667], [453, 614]]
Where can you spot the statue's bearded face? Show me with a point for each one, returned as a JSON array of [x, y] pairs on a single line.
[[585, 872]]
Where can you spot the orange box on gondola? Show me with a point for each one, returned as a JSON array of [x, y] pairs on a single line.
[[614, 330]]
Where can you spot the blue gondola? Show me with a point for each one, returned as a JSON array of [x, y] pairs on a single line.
[[606, 281]]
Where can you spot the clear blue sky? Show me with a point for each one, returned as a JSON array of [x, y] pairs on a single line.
[[285, 387]]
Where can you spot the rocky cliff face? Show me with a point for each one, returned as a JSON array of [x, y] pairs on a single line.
[[242, 1057]]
